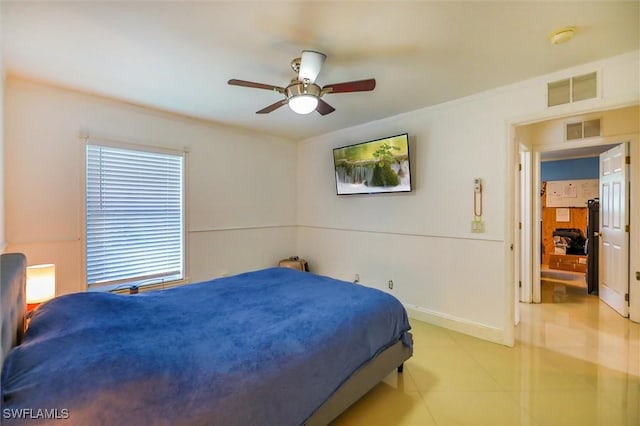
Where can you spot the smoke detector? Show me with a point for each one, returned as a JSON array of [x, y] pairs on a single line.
[[562, 35]]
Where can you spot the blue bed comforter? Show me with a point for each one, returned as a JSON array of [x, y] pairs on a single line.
[[260, 348]]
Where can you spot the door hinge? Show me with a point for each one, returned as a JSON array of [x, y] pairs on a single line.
[[627, 159], [519, 284], [626, 228], [626, 297], [519, 167], [519, 225]]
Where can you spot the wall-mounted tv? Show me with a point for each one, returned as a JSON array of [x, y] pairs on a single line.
[[376, 166]]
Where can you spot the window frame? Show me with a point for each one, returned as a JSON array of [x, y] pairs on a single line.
[[143, 282]]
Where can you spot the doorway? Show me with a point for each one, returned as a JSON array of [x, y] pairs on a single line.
[[546, 141], [569, 222]]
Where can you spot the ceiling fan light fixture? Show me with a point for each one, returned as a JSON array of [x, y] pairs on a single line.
[[303, 104]]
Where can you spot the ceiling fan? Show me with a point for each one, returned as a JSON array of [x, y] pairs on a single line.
[[302, 94]]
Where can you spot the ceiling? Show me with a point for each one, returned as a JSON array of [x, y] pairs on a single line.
[[177, 56], [567, 154]]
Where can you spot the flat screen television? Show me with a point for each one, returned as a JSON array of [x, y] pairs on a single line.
[[377, 166]]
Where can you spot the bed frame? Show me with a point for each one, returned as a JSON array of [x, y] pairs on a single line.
[[13, 310], [361, 382]]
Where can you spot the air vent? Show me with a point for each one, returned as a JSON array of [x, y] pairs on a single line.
[[583, 129], [559, 92], [577, 88]]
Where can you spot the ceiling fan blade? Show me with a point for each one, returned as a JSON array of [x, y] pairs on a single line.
[[310, 65], [350, 86], [324, 108], [251, 84], [272, 107]]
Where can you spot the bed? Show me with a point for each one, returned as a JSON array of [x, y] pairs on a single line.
[[269, 347]]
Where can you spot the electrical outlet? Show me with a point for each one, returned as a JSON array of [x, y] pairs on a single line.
[[357, 278], [391, 284]]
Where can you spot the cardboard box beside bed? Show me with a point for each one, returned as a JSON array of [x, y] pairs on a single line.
[[568, 262]]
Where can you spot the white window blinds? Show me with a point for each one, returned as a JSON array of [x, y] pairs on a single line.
[[134, 216]]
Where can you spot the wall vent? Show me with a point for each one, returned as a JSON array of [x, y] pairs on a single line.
[[577, 88], [583, 129]]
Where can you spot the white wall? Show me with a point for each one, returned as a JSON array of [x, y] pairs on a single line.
[[241, 186], [422, 240]]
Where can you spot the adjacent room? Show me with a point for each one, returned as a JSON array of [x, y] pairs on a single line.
[[303, 212]]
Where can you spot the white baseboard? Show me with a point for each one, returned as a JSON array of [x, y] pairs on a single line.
[[480, 331]]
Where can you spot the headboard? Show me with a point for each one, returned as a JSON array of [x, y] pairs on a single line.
[[13, 304]]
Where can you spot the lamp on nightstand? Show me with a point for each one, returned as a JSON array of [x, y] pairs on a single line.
[[41, 284]]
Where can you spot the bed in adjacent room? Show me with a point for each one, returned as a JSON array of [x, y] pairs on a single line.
[[269, 347]]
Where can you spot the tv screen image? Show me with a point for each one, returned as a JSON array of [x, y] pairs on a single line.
[[376, 166]]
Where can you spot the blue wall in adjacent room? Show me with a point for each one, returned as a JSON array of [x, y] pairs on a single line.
[[578, 168]]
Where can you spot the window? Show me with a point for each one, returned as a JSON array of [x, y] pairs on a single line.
[[134, 216]]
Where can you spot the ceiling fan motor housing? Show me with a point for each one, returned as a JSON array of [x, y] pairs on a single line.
[[299, 88]]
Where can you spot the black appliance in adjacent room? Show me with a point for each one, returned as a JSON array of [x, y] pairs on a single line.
[[571, 238], [593, 244]]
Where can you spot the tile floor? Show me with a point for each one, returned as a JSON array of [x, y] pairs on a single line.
[[575, 362]]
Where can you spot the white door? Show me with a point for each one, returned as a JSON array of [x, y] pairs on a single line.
[[525, 228], [614, 236]]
